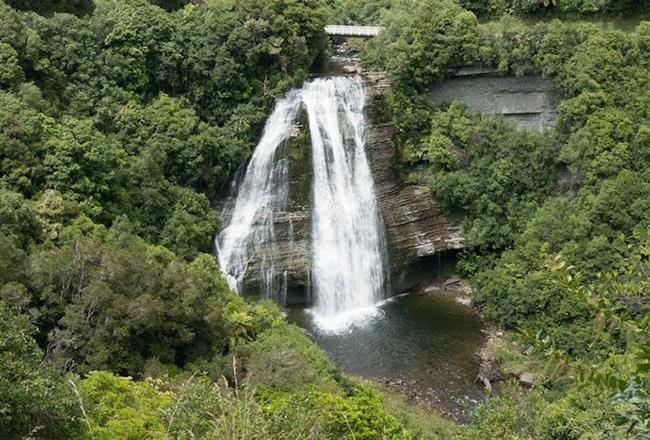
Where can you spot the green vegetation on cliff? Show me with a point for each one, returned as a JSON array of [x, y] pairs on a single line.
[[580, 193], [491, 8], [376, 11]]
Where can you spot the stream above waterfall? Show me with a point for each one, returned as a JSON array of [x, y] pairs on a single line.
[[420, 345]]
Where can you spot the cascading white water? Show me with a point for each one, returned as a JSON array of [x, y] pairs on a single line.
[[349, 266], [349, 269], [262, 192]]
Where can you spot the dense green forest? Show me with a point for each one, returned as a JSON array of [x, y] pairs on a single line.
[[122, 121]]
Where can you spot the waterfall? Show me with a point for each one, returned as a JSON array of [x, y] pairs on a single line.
[[261, 194], [349, 267], [349, 264]]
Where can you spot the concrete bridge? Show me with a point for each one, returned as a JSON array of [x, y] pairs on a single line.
[[353, 31]]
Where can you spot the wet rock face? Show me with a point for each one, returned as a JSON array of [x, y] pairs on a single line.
[[291, 251], [415, 225], [528, 102]]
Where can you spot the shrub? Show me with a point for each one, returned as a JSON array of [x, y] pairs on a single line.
[[284, 358]]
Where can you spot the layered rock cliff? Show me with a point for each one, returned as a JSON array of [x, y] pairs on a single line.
[[291, 251], [415, 225], [528, 102]]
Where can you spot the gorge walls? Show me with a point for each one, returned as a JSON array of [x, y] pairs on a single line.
[[280, 254]]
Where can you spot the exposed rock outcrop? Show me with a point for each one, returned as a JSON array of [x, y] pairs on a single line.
[[527, 380], [415, 224], [291, 252], [529, 102]]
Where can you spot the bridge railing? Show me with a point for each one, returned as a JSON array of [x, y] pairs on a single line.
[[353, 31]]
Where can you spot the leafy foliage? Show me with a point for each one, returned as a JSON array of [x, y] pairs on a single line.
[[492, 8], [48, 7], [358, 415], [364, 12], [115, 309], [282, 359], [121, 408], [480, 169], [35, 399], [416, 52]]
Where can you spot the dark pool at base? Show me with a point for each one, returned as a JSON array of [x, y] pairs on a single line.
[[425, 342]]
